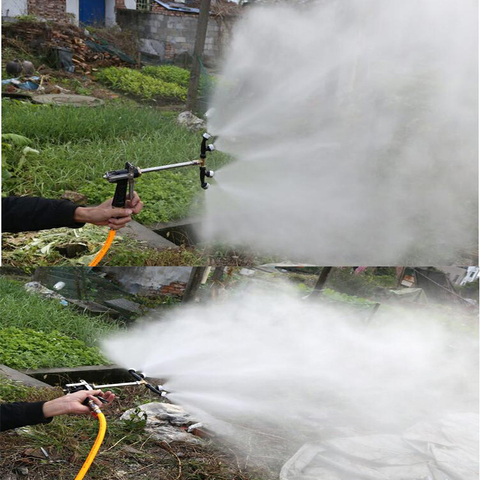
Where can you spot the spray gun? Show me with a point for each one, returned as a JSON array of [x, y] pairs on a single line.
[[83, 385], [125, 181], [139, 380], [125, 178]]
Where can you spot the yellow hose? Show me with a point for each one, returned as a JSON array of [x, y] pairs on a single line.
[[104, 250], [96, 446]]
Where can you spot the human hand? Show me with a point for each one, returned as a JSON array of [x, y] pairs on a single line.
[[72, 403], [105, 214]]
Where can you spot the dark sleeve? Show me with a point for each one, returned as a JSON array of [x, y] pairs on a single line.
[[22, 214], [20, 414]]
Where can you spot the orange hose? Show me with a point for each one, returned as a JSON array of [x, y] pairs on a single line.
[[104, 250], [96, 446]]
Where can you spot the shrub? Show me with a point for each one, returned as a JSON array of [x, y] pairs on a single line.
[[144, 86], [27, 348], [169, 73]]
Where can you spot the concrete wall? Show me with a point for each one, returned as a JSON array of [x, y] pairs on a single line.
[[167, 35], [13, 8], [73, 7], [110, 16]]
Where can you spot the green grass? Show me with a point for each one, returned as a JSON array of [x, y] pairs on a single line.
[[23, 310], [26, 348], [77, 146], [145, 87], [169, 73]]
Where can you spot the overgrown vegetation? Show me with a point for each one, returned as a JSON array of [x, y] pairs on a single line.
[[29, 311], [344, 280], [146, 87], [27, 348], [127, 447], [66, 246]]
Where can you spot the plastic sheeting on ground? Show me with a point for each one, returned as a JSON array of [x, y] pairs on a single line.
[[442, 450]]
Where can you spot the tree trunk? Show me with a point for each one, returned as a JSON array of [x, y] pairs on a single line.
[[197, 54]]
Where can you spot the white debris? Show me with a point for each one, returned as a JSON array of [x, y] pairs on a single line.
[[165, 422]]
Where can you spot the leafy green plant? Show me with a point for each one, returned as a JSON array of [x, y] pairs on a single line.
[[168, 73], [27, 348], [136, 83]]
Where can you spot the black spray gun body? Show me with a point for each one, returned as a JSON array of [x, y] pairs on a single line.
[[139, 380], [125, 179]]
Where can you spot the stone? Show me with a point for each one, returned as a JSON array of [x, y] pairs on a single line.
[[190, 121]]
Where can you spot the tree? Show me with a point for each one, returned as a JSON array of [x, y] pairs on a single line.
[[198, 53]]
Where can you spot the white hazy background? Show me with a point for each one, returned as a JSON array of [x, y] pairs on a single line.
[[354, 129], [266, 358]]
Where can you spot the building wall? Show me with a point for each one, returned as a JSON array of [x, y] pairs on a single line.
[[73, 7], [110, 16], [165, 35], [59, 10], [14, 8], [50, 9]]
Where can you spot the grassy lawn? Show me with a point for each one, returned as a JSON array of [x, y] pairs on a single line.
[[78, 145], [38, 332]]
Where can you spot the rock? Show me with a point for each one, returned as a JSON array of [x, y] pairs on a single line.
[[14, 68], [190, 121], [165, 422], [28, 68], [75, 197]]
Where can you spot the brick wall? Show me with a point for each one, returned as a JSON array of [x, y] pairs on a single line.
[[49, 9], [174, 289], [168, 34]]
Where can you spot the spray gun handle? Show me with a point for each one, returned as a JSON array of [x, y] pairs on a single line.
[[120, 197]]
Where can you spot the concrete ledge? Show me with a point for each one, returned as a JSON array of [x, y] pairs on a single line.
[[20, 377], [138, 232], [92, 373]]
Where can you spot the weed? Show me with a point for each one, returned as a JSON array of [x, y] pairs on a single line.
[[27, 348], [143, 86], [22, 310], [169, 73]]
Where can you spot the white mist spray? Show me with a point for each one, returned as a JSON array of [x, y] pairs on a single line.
[[271, 359], [354, 128]]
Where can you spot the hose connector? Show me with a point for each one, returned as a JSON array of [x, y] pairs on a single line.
[[94, 407]]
